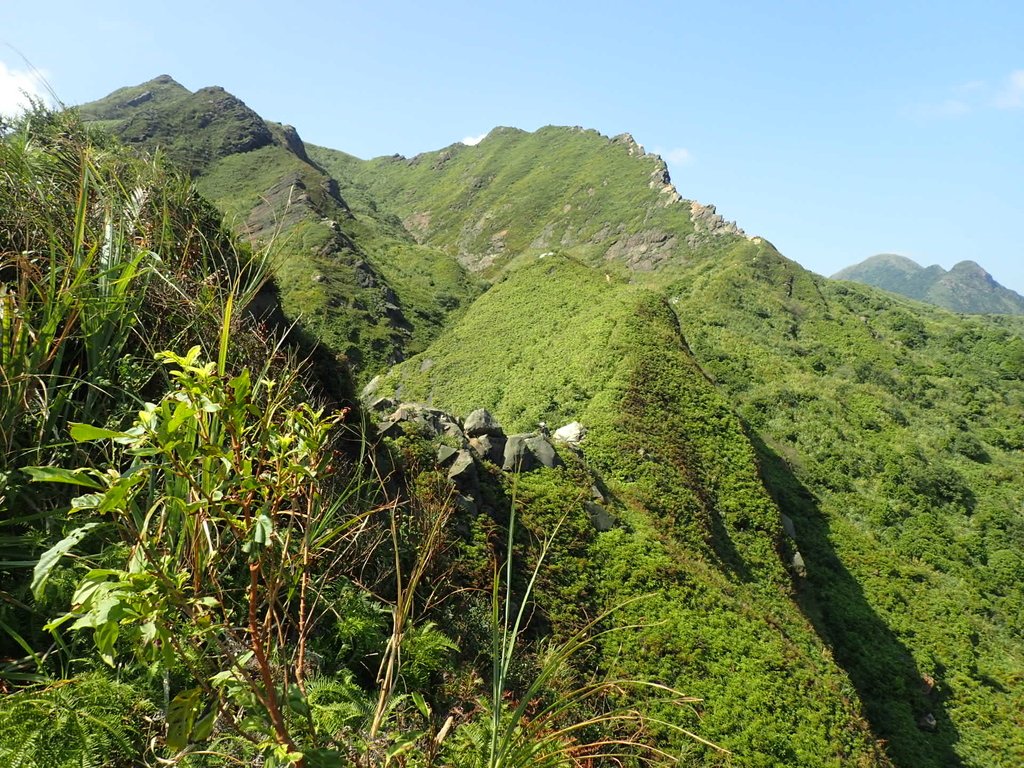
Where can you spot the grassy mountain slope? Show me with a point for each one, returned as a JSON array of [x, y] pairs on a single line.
[[891, 434], [362, 285], [520, 194], [888, 432], [699, 534], [966, 287]]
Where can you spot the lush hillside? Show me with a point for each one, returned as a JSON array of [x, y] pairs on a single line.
[[358, 282], [515, 194], [891, 434], [697, 533], [965, 287], [801, 497]]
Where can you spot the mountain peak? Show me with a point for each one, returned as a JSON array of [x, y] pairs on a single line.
[[966, 287]]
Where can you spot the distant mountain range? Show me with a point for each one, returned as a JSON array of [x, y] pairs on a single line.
[[966, 287]]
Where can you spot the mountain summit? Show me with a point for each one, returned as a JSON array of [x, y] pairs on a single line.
[[966, 287]]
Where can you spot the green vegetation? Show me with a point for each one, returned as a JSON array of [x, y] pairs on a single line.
[[889, 432], [697, 543], [521, 194], [791, 536], [357, 282], [200, 567]]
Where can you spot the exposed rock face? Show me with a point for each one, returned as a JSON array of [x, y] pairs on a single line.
[[707, 222], [142, 98], [481, 438], [644, 251], [431, 421], [294, 143]]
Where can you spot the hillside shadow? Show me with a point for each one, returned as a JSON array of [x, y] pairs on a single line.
[[896, 697]]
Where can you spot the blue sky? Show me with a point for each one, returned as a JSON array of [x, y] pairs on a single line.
[[835, 130]]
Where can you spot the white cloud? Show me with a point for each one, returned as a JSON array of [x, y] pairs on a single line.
[[676, 156], [1011, 95], [947, 108], [472, 141], [976, 95], [14, 84], [679, 156]]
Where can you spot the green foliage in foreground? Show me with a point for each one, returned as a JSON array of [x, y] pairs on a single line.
[[200, 567]]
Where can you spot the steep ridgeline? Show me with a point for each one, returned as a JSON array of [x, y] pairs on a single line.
[[518, 194], [356, 280], [891, 434], [697, 532], [888, 434], [965, 287]]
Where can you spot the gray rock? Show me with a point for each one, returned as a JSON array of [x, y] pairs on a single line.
[[787, 525], [517, 457], [446, 455], [466, 505], [371, 388], [383, 404], [524, 453], [390, 428], [543, 451], [463, 471], [431, 421], [489, 447], [798, 565], [481, 422], [595, 493], [927, 722], [600, 517]]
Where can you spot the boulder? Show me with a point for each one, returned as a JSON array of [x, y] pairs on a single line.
[[571, 434], [432, 421], [787, 525], [446, 455], [927, 722], [524, 453], [798, 565], [371, 388], [480, 422], [390, 429], [543, 451], [463, 472], [383, 404], [466, 505], [517, 457], [489, 447], [600, 517]]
